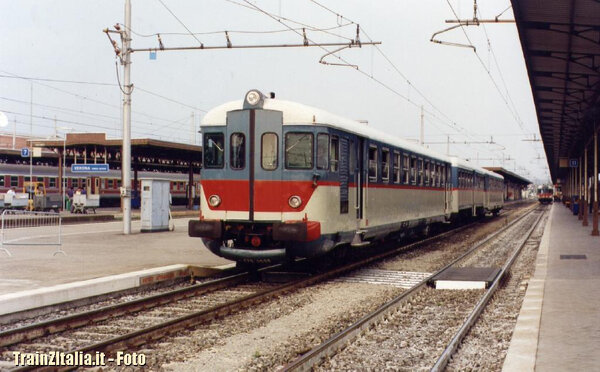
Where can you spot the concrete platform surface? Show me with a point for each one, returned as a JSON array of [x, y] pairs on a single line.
[[95, 250], [558, 328]]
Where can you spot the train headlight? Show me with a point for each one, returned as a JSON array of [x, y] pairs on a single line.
[[214, 201], [253, 97], [295, 201]]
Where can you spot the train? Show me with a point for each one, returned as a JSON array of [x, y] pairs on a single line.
[[105, 184], [282, 180], [545, 194]]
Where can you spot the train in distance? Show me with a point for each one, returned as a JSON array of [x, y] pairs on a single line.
[[105, 184], [282, 180]]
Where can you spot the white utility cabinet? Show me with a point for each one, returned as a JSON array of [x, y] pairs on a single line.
[[155, 204]]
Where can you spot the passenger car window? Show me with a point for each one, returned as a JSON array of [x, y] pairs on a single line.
[[213, 150], [413, 170], [269, 151], [385, 165], [334, 153], [397, 166], [237, 151], [405, 168], [420, 164], [373, 163], [299, 150], [322, 151]]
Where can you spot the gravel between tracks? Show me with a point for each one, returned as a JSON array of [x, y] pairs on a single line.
[[275, 332], [485, 346], [257, 341], [412, 338]]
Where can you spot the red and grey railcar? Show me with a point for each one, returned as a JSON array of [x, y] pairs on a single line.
[[283, 180]]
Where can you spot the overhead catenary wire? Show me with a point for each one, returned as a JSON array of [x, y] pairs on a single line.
[[93, 126], [452, 124], [279, 17], [39, 80], [51, 126], [313, 29], [485, 68], [386, 86], [501, 74], [180, 22], [92, 115]]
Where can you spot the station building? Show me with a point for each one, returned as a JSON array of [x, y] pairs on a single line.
[[180, 163]]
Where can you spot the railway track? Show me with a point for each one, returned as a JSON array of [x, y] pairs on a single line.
[[131, 324], [134, 323], [413, 324]]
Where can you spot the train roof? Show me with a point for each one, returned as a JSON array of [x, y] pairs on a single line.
[[465, 164], [298, 114]]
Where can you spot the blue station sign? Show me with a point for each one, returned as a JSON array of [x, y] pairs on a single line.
[[25, 152], [89, 168]]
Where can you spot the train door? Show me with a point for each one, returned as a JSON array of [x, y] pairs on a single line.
[[237, 166], [266, 172], [93, 185], [344, 171], [360, 180], [445, 173]]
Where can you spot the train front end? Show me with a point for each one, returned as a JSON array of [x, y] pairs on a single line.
[[257, 202]]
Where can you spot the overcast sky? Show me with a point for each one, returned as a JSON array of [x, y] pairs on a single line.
[[464, 93]]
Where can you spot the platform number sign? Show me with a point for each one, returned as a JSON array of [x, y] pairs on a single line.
[[573, 163], [25, 152]]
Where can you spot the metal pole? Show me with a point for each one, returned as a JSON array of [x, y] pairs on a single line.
[[30, 139], [126, 152], [193, 132], [595, 175], [448, 145], [586, 198], [63, 178]]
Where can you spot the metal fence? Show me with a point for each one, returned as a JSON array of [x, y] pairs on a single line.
[[30, 228]]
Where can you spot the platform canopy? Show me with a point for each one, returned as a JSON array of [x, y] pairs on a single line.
[[509, 176], [147, 154], [561, 46]]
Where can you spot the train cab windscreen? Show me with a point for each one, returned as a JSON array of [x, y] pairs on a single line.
[[299, 150]]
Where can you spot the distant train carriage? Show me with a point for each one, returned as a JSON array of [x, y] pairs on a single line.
[[105, 184], [283, 180]]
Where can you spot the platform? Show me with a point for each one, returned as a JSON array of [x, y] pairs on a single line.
[[96, 250], [558, 328]]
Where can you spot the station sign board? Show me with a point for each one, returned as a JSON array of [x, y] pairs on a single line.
[[89, 168], [25, 152], [573, 163]]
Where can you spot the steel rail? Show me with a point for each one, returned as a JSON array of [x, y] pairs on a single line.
[[158, 331], [338, 341], [48, 327], [27, 333], [142, 336], [443, 360]]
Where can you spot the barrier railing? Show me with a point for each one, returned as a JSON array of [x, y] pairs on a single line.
[[30, 228]]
